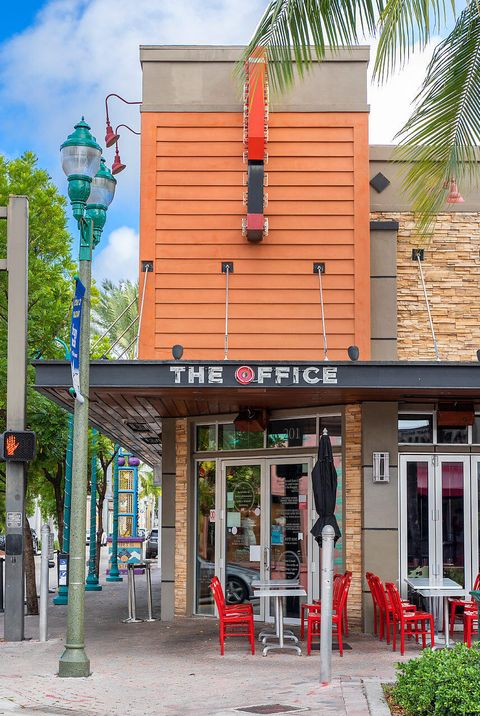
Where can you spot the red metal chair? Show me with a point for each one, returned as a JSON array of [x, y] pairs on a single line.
[[232, 623], [470, 624], [376, 608], [316, 604], [314, 617], [465, 604], [238, 608], [385, 607], [411, 623]]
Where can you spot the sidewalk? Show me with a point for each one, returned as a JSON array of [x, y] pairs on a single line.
[[176, 670]]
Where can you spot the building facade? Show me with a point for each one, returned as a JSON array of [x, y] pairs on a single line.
[[232, 425]]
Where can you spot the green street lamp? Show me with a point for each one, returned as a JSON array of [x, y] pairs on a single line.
[[81, 162]]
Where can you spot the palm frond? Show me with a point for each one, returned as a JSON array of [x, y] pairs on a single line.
[[439, 140], [403, 26], [290, 29]]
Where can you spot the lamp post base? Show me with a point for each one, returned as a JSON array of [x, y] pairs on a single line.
[[93, 587], [74, 663], [62, 596], [114, 578]]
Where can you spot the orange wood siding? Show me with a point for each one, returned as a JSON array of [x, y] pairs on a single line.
[[192, 176]]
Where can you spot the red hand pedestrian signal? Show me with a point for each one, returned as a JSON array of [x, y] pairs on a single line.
[[17, 446], [11, 445]]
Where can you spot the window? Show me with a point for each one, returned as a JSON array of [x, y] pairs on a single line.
[[301, 432], [206, 438], [452, 435], [415, 429], [333, 425], [231, 439]]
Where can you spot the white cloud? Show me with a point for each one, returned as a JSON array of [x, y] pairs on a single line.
[[119, 258], [391, 103]]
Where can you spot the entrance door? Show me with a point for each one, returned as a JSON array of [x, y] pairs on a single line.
[[265, 529], [243, 556], [436, 535]]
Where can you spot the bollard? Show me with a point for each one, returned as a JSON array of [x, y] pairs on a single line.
[[132, 597], [148, 576], [44, 584], [2, 560], [328, 535]]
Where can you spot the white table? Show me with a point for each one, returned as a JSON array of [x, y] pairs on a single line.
[[276, 592], [438, 588]]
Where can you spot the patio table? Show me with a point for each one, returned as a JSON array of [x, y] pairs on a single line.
[[280, 636], [275, 584], [436, 589]]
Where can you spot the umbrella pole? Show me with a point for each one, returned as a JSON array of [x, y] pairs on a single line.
[[328, 535]]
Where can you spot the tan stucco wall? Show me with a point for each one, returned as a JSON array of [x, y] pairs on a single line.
[[452, 276]]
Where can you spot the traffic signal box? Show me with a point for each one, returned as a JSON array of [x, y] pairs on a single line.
[[17, 446]]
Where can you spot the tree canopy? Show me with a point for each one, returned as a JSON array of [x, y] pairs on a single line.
[[438, 143]]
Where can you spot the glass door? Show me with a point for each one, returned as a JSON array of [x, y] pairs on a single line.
[[452, 518], [242, 557], [288, 530], [435, 524]]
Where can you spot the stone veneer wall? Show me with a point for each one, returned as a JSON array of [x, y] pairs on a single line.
[[452, 276], [181, 518], [353, 512]]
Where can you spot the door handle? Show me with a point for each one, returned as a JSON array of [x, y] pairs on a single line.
[[266, 558]]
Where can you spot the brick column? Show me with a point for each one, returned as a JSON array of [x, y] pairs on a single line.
[[181, 518], [353, 511]]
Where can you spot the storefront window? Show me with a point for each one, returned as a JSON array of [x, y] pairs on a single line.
[[231, 439], [452, 435], [298, 432], [206, 438], [476, 430], [415, 428], [205, 552], [333, 424]]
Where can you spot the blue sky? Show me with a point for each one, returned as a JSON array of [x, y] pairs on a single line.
[[60, 58]]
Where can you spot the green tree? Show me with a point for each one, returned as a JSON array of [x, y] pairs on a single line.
[[115, 300], [439, 140], [105, 455], [49, 302]]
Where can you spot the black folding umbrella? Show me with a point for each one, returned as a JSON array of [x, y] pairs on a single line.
[[324, 483]]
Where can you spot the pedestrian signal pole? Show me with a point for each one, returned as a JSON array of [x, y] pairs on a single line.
[[15, 441]]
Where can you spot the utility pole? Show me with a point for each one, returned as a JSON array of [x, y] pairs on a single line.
[[17, 266]]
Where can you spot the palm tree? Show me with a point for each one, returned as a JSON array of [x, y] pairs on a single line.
[[117, 302], [438, 141]]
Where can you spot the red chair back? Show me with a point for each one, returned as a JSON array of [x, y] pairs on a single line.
[[476, 585], [343, 594], [217, 592], [395, 600], [379, 592]]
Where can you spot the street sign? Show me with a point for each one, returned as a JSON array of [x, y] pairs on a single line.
[[17, 446]]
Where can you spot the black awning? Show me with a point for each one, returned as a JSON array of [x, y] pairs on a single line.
[[130, 398]]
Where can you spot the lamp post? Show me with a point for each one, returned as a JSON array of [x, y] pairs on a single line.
[[114, 574], [88, 180], [62, 596], [92, 584]]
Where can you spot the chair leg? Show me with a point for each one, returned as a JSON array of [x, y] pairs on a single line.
[[453, 609], [394, 635], [382, 624], [402, 639], [340, 638], [432, 644], [345, 620], [387, 625], [374, 619], [309, 637], [222, 639], [252, 637], [424, 634]]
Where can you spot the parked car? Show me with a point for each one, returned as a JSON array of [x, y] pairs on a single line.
[[2, 543], [238, 585], [151, 549]]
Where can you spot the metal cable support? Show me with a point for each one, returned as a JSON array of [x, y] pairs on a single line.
[[121, 336], [227, 271], [325, 349], [141, 312], [113, 324], [435, 345]]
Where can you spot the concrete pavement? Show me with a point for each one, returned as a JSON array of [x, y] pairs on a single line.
[[176, 670]]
